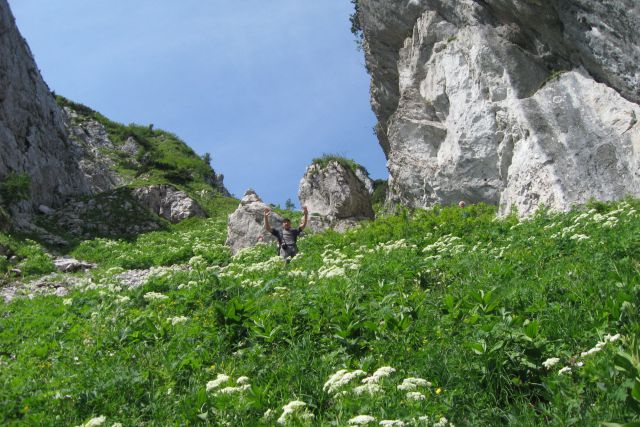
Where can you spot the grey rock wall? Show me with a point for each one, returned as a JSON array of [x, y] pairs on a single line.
[[509, 102], [33, 138]]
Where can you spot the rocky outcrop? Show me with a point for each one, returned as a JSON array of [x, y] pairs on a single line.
[[110, 214], [168, 202], [335, 196], [32, 133], [246, 225], [510, 102], [94, 150], [71, 265]]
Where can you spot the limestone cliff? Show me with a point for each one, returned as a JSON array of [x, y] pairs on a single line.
[[511, 102], [69, 150], [33, 139]]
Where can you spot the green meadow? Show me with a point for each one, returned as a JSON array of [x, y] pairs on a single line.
[[433, 317]]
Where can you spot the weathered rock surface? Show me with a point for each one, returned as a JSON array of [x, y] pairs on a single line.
[[71, 265], [509, 102], [32, 133], [335, 196], [168, 202], [246, 225], [109, 214], [91, 143]]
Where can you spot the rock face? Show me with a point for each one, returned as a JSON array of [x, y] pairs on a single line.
[[109, 214], [335, 196], [246, 225], [32, 133], [510, 102], [168, 202], [89, 140]]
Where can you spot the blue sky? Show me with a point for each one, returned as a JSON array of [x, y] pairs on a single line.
[[264, 86]]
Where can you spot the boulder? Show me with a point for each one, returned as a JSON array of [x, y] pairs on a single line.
[[246, 225], [168, 202], [71, 265], [335, 196]]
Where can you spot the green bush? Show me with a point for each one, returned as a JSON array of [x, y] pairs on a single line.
[[14, 188]]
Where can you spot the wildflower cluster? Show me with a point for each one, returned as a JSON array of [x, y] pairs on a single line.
[[553, 361], [295, 410], [445, 246], [216, 386]]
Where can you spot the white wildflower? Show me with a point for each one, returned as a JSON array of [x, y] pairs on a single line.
[[410, 384], [122, 299], [591, 351], [293, 407], [67, 301], [155, 296], [385, 371], [415, 395], [443, 422], [232, 390], [552, 361], [370, 388], [94, 422], [242, 380], [116, 425], [341, 378], [176, 320], [214, 384], [612, 338], [564, 370], [361, 420], [579, 237], [392, 423]]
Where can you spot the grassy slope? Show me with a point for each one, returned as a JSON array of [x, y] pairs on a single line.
[[472, 304], [162, 156]]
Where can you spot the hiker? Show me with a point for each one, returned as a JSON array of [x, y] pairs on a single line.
[[287, 236]]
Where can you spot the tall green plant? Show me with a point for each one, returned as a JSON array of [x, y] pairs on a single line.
[[15, 187]]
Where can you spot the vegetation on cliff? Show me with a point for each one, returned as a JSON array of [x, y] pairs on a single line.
[[160, 156]]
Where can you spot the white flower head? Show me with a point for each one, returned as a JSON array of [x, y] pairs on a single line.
[[612, 338], [94, 422], [295, 407], [392, 423], [564, 370], [410, 384], [385, 371], [340, 379], [552, 361], [361, 420], [415, 395], [176, 320], [242, 380], [370, 388], [155, 296], [214, 384]]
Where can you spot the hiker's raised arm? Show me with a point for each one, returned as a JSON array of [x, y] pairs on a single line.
[[305, 219], [266, 220]]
